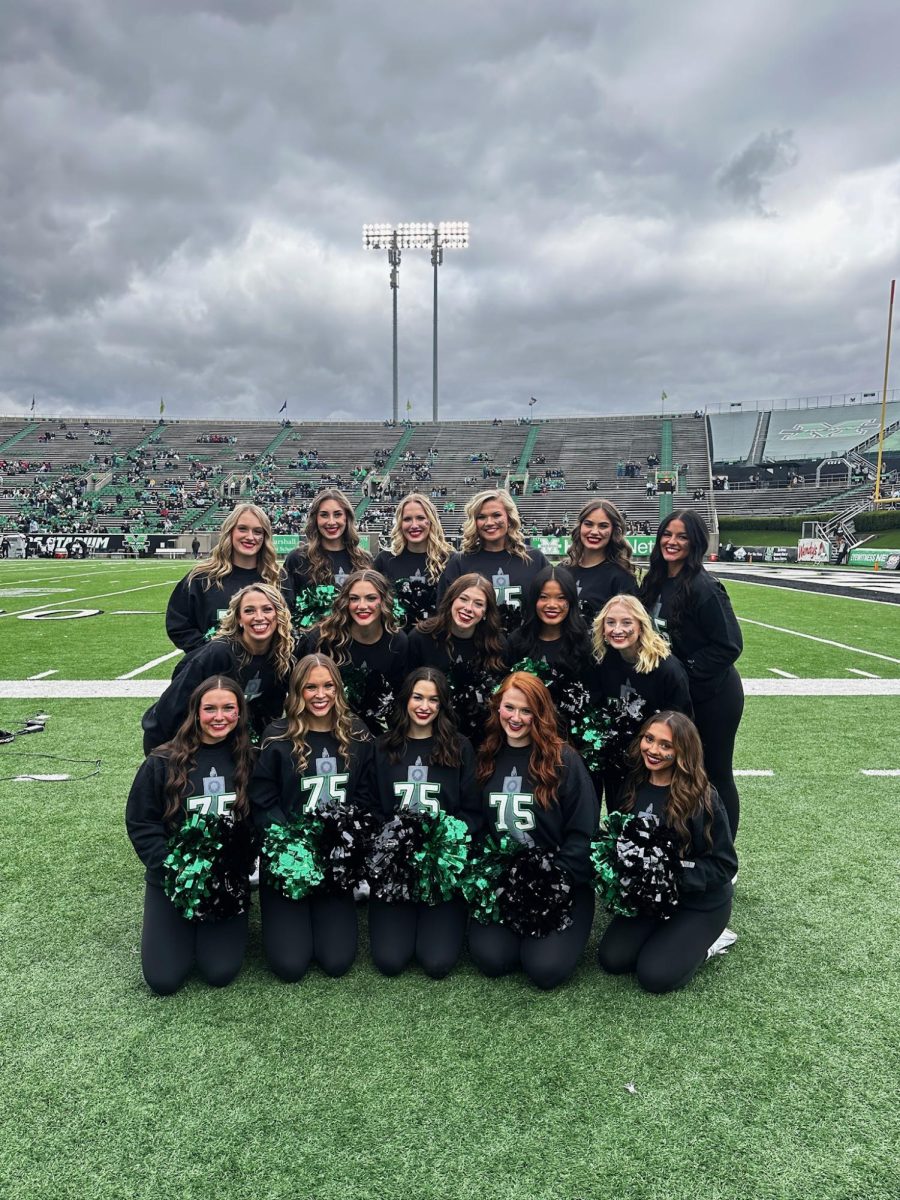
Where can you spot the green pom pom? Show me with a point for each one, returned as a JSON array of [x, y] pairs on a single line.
[[539, 667], [604, 859], [314, 603], [289, 860], [187, 869], [484, 869], [443, 858]]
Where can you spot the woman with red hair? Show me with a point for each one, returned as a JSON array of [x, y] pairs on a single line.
[[537, 790]]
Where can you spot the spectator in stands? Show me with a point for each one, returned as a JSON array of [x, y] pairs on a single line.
[[493, 545], [332, 551], [418, 553], [244, 554], [600, 556]]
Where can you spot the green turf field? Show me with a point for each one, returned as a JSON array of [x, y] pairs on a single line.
[[774, 1074]]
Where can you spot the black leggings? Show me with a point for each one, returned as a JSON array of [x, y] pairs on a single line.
[[547, 961], [717, 721], [432, 934], [664, 955], [294, 932], [171, 945]]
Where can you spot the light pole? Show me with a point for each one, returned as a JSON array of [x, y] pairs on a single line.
[[448, 235]]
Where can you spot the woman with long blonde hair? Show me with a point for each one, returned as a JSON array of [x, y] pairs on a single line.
[[600, 557], [536, 789], [318, 756], [418, 553], [331, 550], [244, 554], [255, 645], [668, 781], [493, 545]]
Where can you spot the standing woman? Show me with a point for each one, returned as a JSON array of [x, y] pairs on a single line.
[[331, 551], [364, 639], [244, 554], [423, 764], [317, 756], [632, 662], [493, 545], [418, 554], [464, 639], [692, 610], [255, 645], [600, 557], [534, 786], [204, 768], [669, 782], [552, 626]]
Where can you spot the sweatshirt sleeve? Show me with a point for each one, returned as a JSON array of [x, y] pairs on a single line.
[[713, 867], [162, 719], [470, 806], [451, 571], [183, 617], [144, 815], [677, 693], [722, 640], [267, 784], [578, 802], [365, 787]]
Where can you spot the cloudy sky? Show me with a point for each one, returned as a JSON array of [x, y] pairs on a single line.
[[700, 197]]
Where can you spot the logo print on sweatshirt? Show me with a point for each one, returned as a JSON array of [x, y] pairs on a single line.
[[417, 794], [215, 801], [515, 808], [327, 786]]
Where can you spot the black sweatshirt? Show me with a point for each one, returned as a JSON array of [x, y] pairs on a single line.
[[412, 567], [194, 611], [433, 650], [389, 655], [265, 692], [297, 572], [278, 792], [707, 638], [413, 783], [666, 686], [550, 652], [507, 572], [211, 791], [706, 872], [598, 584], [508, 805]]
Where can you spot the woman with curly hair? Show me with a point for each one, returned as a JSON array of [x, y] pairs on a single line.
[[417, 557], [536, 789], [244, 554], [255, 645], [364, 638], [465, 641], [423, 764], [600, 556], [493, 545], [691, 609], [205, 768], [331, 551], [668, 781], [318, 756]]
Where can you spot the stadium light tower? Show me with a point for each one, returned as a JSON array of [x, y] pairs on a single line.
[[448, 235]]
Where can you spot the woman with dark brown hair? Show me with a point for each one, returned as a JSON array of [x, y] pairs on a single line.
[[536, 789], [668, 782], [331, 550], [205, 768], [600, 557]]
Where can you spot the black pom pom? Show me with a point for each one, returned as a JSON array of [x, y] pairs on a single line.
[[343, 844], [535, 896], [393, 865], [649, 867]]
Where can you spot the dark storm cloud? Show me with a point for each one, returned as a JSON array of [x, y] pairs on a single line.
[[183, 185]]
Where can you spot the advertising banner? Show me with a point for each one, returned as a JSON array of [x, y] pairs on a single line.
[[815, 550], [886, 559]]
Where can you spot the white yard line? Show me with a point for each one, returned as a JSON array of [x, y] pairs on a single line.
[[44, 674], [154, 662], [70, 600], [890, 773], [754, 773], [783, 674], [865, 674], [824, 641], [868, 582], [822, 687]]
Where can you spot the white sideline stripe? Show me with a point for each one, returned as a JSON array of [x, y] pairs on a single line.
[[865, 674], [44, 674], [154, 662], [822, 687], [783, 674], [70, 600], [892, 772], [825, 641], [828, 595], [753, 773]]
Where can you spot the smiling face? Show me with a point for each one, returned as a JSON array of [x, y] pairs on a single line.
[[247, 539], [364, 605], [674, 545], [467, 610], [621, 631], [331, 521], [258, 621], [319, 693], [423, 707], [596, 530], [552, 607], [218, 715], [516, 718], [414, 525], [492, 524], [658, 753]]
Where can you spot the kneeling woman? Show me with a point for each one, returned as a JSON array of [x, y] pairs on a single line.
[[669, 781], [318, 756], [535, 788], [204, 768], [423, 764]]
